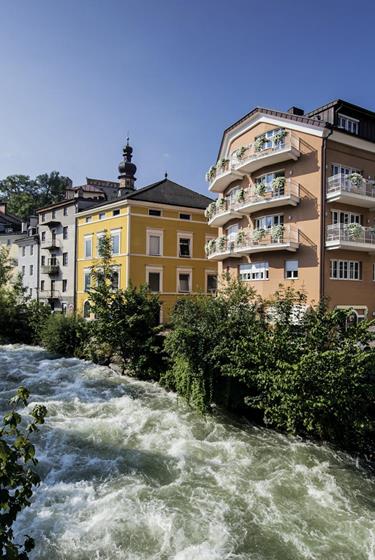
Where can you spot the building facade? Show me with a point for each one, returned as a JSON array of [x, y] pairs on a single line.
[[296, 194], [10, 232], [28, 257], [158, 236]]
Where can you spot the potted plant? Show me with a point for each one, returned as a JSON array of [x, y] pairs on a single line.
[[354, 231], [277, 232], [221, 242], [259, 143], [258, 234], [211, 173], [279, 136], [222, 164], [210, 210], [260, 189], [240, 197], [240, 237], [356, 179], [278, 185], [210, 246], [240, 152], [220, 204]]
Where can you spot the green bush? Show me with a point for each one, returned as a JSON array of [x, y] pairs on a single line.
[[66, 335]]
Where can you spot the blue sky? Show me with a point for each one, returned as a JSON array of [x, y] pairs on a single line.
[[77, 75]]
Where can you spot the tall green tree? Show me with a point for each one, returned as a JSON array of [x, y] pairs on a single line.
[[24, 195]]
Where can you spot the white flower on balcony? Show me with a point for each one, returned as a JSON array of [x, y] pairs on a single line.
[[277, 232], [356, 179], [258, 234], [354, 231]]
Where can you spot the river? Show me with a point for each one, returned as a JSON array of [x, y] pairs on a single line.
[[130, 472]]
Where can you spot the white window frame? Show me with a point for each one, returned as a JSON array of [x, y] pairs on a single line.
[[159, 270], [117, 268], [114, 233], [254, 272], [88, 219], [339, 169], [349, 217], [87, 238], [348, 123], [232, 231], [185, 214], [83, 309], [269, 134], [207, 274], [99, 236], [155, 210], [155, 232], [101, 215], [184, 235], [277, 219], [267, 178], [291, 266], [345, 270], [86, 272], [188, 271]]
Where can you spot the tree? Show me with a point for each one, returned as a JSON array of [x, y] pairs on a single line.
[[17, 477], [24, 195], [126, 320]]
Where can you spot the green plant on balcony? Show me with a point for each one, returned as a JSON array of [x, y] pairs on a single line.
[[210, 246], [260, 189], [210, 210], [241, 152], [277, 232], [221, 204], [279, 136], [240, 195], [356, 179], [278, 185], [211, 173], [240, 237], [222, 164], [258, 234], [354, 231], [259, 143], [221, 242]]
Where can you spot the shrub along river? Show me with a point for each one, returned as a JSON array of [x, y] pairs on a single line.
[[130, 472]]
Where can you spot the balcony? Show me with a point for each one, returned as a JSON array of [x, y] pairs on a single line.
[[221, 175], [250, 241], [219, 212], [248, 159], [52, 222], [49, 294], [350, 237], [51, 268], [259, 197], [51, 243], [351, 189]]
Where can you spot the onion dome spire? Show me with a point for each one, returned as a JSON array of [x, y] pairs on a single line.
[[127, 169]]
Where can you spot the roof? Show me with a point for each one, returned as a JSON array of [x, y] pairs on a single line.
[[338, 102], [164, 192], [9, 219]]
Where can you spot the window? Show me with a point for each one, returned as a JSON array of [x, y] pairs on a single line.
[[211, 283], [86, 310], [65, 211], [87, 280], [23, 270], [99, 244], [269, 139], [184, 281], [268, 179], [43, 235], [23, 251], [53, 284], [267, 222], [339, 217], [115, 239], [153, 212], [154, 242], [254, 271], [65, 232], [64, 285], [43, 260], [42, 285], [291, 269], [31, 270], [53, 214], [88, 219], [346, 270], [30, 292], [184, 245], [185, 216], [348, 124], [115, 279], [232, 232], [31, 249], [43, 217], [88, 247], [65, 259], [116, 212], [63, 307], [101, 215], [338, 169], [154, 281]]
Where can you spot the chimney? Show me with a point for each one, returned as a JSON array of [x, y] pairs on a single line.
[[3, 207], [296, 111]]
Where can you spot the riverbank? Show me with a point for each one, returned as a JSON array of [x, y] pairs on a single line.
[[129, 471]]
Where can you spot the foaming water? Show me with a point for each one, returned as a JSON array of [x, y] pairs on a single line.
[[129, 472]]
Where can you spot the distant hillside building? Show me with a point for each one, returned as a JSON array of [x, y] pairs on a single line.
[[10, 232]]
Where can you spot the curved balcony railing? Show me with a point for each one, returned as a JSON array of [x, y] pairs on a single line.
[[351, 189], [248, 240], [350, 236]]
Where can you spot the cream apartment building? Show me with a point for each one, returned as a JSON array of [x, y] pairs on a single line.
[[296, 201]]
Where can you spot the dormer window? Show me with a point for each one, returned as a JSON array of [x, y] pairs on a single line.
[[349, 124]]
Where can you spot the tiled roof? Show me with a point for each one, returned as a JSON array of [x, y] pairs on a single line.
[[169, 192]]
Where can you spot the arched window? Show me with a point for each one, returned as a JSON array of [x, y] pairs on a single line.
[[86, 309]]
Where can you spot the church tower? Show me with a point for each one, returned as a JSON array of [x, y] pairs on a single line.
[[127, 171]]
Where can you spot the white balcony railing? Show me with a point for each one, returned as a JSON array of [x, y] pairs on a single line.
[[250, 240], [351, 189], [350, 236], [51, 242]]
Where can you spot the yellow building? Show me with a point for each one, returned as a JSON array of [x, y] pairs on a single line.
[[158, 236]]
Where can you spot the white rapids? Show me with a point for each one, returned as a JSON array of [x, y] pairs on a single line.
[[130, 472]]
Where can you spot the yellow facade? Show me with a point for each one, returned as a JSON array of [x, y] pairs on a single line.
[[135, 261]]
